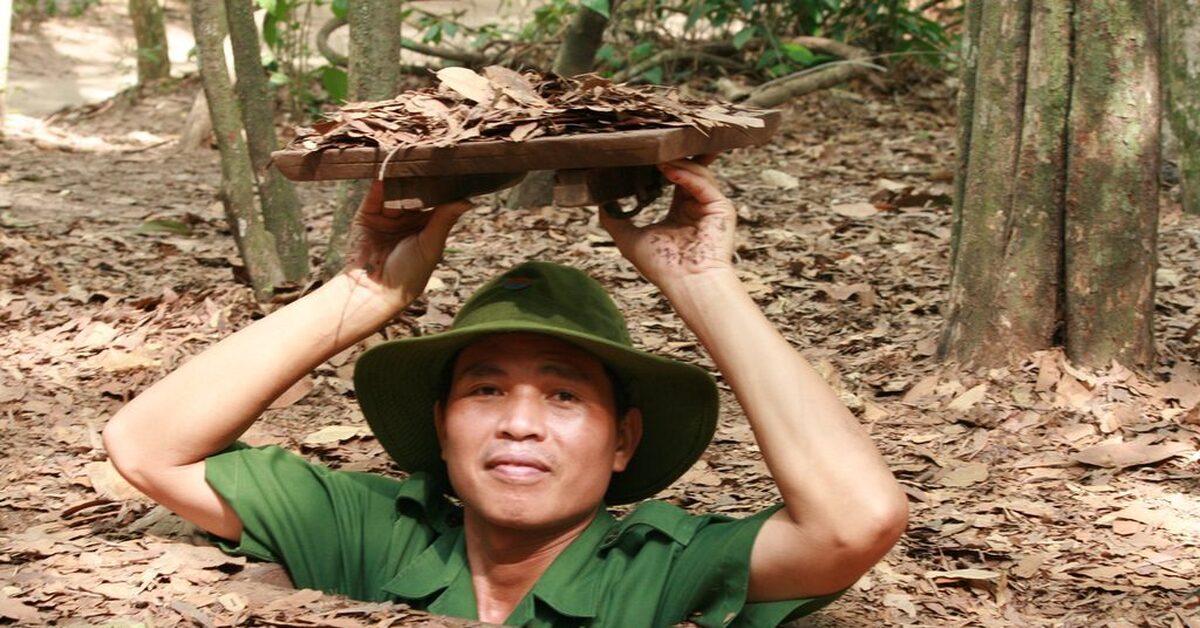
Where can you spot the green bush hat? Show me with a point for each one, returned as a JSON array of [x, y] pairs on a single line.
[[398, 382]]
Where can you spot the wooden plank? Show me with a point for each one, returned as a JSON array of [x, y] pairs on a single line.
[[599, 150]]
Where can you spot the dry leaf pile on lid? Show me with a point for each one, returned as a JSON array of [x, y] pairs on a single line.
[[503, 104]]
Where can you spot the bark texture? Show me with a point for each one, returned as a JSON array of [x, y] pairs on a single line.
[[576, 55], [153, 62], [255, 244], [374, 74], [280, 206], [1053, 234], [1181, 78], [6, 10], [1112, 195]]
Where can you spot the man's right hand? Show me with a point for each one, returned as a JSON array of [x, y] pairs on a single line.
[[399, 248]]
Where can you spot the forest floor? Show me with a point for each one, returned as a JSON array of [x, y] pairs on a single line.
[[1041, 494]]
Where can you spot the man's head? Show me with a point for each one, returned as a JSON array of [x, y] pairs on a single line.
[[538, 311], [530, 431]]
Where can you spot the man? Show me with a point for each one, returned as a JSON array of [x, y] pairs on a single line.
[[534, 410]]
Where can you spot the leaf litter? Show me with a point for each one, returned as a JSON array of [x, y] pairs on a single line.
[[1042, 494], [503, 104]]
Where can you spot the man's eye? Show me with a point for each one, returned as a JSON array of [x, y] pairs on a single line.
[[565, 395], [485, 390]]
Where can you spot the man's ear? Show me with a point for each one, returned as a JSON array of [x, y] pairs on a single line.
[[629, 434], [439, 425]]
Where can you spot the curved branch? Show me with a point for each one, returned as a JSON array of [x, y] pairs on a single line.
[[332, 56], [776, 92], [664, 56], [782, 89], [465, 57]]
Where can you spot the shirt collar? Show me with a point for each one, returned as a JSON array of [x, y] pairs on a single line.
[[568, 585], [439, 579], [423, 495]]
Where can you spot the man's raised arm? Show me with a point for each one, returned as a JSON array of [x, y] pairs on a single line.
[[843, 510], [159, 441]]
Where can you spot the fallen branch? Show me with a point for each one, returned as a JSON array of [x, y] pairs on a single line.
[[665, 56], [776, 92], [466, 57]]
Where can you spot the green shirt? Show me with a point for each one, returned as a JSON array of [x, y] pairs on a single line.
[[378, 539]]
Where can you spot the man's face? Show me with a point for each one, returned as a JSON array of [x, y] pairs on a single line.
[[529, 431]]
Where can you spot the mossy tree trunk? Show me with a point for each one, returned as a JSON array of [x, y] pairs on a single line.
[[374, 74], [255, 244], [1056, 205], [576, 55], [1181, 77], [6, 10], [1112, 184], [153, 62], [280, 206]]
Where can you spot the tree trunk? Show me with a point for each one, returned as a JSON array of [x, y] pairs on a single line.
[[576, 55], [374, 74], [153, 62], [6, 10], [1112, 184], [1181, 77], [1053, 233], [254, 242], [280, 207]]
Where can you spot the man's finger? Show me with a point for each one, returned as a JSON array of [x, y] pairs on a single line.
[[691, 178], [444, 216], [706, 159], [372, 203]]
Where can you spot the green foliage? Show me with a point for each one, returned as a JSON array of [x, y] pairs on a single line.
[[286, 30], [760, 30], [759, 34], [40, 9]]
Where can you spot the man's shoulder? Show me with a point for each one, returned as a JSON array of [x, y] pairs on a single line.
[[668, 521]]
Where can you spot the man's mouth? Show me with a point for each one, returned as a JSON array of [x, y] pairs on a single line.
[[517, 467]]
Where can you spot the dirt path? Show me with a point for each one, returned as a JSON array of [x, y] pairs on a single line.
[[1017, 518]]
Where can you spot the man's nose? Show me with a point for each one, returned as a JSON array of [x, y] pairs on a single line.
[[523, 417]]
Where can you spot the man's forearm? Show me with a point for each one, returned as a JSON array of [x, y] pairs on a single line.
[[208, 402], [824, 464]]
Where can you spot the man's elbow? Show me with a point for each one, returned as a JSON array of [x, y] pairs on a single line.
[[873, 533], [123, 452]]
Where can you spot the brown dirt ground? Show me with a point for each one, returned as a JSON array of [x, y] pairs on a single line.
[[1009, 526]]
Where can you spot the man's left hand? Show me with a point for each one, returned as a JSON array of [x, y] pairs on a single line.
[[695, 238]]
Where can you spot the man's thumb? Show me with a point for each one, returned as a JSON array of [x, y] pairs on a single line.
[[444, 217]]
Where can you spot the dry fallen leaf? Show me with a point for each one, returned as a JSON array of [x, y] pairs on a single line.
[[963, 574], [1072, 393], [855, 210], [19, 611], [779, 179], [1130, 454], [108, 483], [965, 474], [334, 434], [901, 602], [968, 399], [117, 360], [467, 83], [1029, 565], [921, 389]]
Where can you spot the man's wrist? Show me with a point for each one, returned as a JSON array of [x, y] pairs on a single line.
[[361, 293], [696, 290]]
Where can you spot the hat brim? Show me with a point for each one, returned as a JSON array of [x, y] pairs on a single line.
[[398, 382]]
